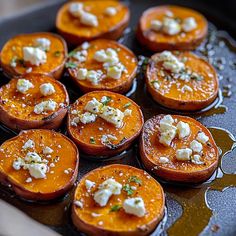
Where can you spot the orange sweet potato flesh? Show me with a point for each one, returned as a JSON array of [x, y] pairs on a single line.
[[118, 223], [57, 182], [81, 134], [170, 95], [110, 27], [158, 41], [17, 109], [126, 57], [56, 55], [178, 171]]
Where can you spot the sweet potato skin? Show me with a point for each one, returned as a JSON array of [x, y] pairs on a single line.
[[121, 85], [16, 122], [82, 133], [55, 70], [189, 173], [153, 43], [208, 87], [152, 190], [76, 38], [21, 189]]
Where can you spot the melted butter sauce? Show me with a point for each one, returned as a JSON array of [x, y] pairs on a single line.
[[193, 199]]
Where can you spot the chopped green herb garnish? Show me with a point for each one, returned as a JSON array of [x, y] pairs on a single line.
[[92, 140], [71, 65], [127, 105], [105, 102], [72, 53], [57, 53], [135, 179], [115, 208], [127, 188]]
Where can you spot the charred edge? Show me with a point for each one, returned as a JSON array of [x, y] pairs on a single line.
[[115, 146]]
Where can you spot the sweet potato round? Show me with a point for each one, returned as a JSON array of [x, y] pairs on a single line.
[[178, 171], [81, 134], [56, 56], [157, 41], [17, 109], [170, 95], [118, 223], [57, 182], [127, 58], [110, 27]]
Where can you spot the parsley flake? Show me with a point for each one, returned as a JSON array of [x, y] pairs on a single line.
[[115, 208], [135, 179], [127, 188]]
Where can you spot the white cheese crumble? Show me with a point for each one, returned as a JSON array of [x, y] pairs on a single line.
[[38, 170], [23, 85], [196, 146], [115, 72], [87, 117], [47, 150], [102, 196], [134, 206], [171, 26], [82, 73], [202, 137], [128, 112], [89, 184], [196, 159], [183, 154], [156, 25], [186, 88], [28, 180], [28, 144], [85, 45], [110, 11], [35, 56], [88, 19], [43, 43], [189, 24], [78, 204], [76, 9], [156, 85], [183, 129], [45, 106], [94, 76], [80, 56], [164, 160], [47, 89]]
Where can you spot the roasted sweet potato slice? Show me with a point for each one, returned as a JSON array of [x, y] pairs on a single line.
[[101, 57], [43, 52], [89, 20], [171, 28], [111, 127], [181, 81], [178, 148], [39, 164], [33, 101], [117, 217]]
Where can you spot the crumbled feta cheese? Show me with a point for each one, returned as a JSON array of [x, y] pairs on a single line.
[[127, 112], [29, 70], [167, 137], [114, 72], [93, 106], [110, 11], [88, 19], [80, 56], [28, 180], [114, 186], [156, 25], [87, 117], [100, 56], [171, 26], [37, 170], [47, 150], [202, 137], [43, 43], [85, 45], [23, 85], [196, 159], [89, 184], [134, 206], [156, 85], [76, 9], [183, 129], [196, 146], [167, 119], [183, 154], [189, 24], [78, 204], [93, 76], [164, 160], [47, 89], [186, 88], [169, 13], [102, 196], [35, 56], [45, 106], [28, 144], [106, 138], [18, 163], [32, 157], [82, 73]]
